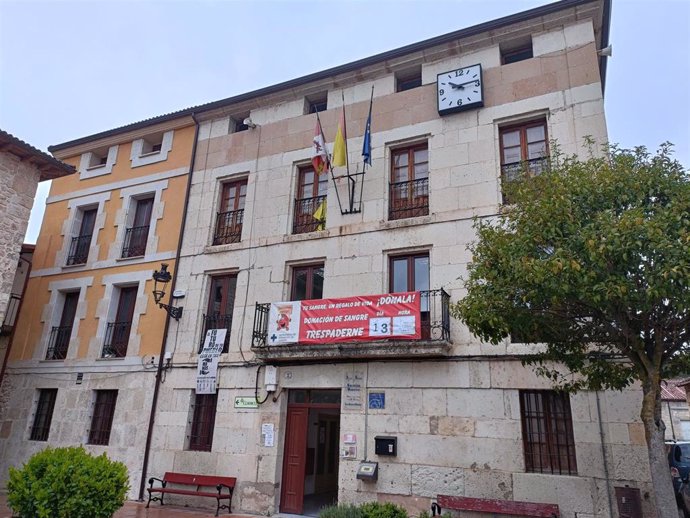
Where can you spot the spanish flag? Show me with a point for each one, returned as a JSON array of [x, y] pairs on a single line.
[[340, 146], [320, 215]]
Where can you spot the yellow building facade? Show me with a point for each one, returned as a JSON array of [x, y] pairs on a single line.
[[88, 339]]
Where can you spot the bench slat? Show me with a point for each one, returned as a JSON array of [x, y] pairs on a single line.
[[191, 479], [486, 505], [176, 491]]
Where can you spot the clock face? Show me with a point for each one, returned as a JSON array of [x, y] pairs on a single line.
[[460, 89]]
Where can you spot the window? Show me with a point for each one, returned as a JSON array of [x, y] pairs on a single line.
[[547, 432], [408, 79], [152, 144], [409, 187], [514, 51], [307, 282], [524, 151], [98, 159], [411, 273], [231, 215], [221, 301], [151, 149], [310, 204], [60, 335], [203, 421], [117, 332], [79, 248], [317, 103], [44, 415], [102, 419], [137, 235]]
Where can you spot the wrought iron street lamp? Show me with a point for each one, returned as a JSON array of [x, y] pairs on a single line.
[[161, 278]]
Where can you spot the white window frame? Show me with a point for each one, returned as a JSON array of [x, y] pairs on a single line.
[[140, 157], [88, 170], [70, 228]]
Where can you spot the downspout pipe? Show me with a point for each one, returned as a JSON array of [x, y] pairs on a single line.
[[16, 318], [159, 370]]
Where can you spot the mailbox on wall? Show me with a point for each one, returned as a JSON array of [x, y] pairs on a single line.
[[368, 471], [384, 445]]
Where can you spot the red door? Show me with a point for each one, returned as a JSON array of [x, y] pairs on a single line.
[[294, 462]]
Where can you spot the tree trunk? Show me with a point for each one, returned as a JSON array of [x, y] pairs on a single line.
[[658, 461]]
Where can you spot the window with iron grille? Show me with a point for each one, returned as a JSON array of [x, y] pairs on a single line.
[[60, 336], [411, 273], [221, 301], [102, 418], [137, 235], [79, 247], [524, 151], [547, 432], [203, 422], [409, 187], [307, 282], [310, 203], [231, 215], [117, 332], [44, 414]]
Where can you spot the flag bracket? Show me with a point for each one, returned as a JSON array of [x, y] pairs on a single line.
[[351, 203]]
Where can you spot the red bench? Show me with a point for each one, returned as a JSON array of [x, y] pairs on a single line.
[[198, 481], [487, 505]]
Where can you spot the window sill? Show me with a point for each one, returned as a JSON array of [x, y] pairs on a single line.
[[213, 249], [92, 168], [73, 266], [131, 257], [119, 358], [317, 234], [150, 153]]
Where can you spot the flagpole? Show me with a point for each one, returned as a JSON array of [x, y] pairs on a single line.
[[330, 162], [351, 186]]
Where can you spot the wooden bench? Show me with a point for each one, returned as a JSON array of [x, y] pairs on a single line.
[[198, 481], [487, 505]]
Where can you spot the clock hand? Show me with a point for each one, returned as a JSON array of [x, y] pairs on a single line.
[[456, 85]]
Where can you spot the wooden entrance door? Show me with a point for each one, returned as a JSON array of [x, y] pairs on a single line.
[[294, 461]]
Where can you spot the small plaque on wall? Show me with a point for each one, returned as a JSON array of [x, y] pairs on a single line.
[[377, 400]]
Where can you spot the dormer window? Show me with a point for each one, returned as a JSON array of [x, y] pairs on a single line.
[[238, 123], [317, 103], [152, 148], [516, 50], [98, 162], [408, 79], [98, 158]]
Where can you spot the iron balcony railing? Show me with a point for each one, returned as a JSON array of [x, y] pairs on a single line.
[[135, 241], [435, 318], [310, 215], [116, 340], [58, 343], [216, 322], [11, 313], [79, 250], [524, 168], [228, 227], [408, 199]]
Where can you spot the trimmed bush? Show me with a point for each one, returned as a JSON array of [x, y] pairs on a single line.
[[382, 510], [67, 483], [341, 511]]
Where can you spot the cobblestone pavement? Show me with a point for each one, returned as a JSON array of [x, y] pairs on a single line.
[[138, 510]]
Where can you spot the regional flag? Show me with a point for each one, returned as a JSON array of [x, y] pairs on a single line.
[[319, 153], [340, 145], [366, 146]]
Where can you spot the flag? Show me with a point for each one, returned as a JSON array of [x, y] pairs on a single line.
[[319, 153], [320, 215], [340, 145], [366, 145]]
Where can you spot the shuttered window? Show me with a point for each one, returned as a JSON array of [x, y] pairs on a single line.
[[102, 419], [203, 422], [44, 415]]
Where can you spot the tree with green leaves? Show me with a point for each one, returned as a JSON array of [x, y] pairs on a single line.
[[592, 260]]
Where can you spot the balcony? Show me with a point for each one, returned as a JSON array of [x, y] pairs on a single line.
[[11, 314], [58, 343], [216, 322], [310, 215], [409, 199], [79, 250], [434, 341], [228, 227], [116, 340], [135, 241]]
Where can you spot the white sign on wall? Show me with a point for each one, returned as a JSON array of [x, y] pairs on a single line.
[[207, 368]]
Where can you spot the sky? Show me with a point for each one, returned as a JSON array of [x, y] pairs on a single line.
[[69, 69]]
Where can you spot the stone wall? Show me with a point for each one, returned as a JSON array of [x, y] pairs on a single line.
[[18, 181]]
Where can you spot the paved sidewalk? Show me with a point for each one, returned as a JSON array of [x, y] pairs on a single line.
[[138, 510]]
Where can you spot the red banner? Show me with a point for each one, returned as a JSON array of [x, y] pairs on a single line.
[[364, 318]]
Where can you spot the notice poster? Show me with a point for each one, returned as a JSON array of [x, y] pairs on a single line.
[[352, 319], [207, 368]]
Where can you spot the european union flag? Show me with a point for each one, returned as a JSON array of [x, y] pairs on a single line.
[[366, 146]]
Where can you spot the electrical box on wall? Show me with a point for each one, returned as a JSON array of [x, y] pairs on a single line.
[[368, 471], [384, 445], [271, 378]]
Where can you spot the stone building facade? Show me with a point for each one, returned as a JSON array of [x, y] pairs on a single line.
[[440, 412]]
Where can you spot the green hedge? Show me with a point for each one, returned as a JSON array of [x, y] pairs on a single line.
[[67, 483], [367, 510]]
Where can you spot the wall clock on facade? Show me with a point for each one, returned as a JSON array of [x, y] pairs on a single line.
[[460, 89]]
